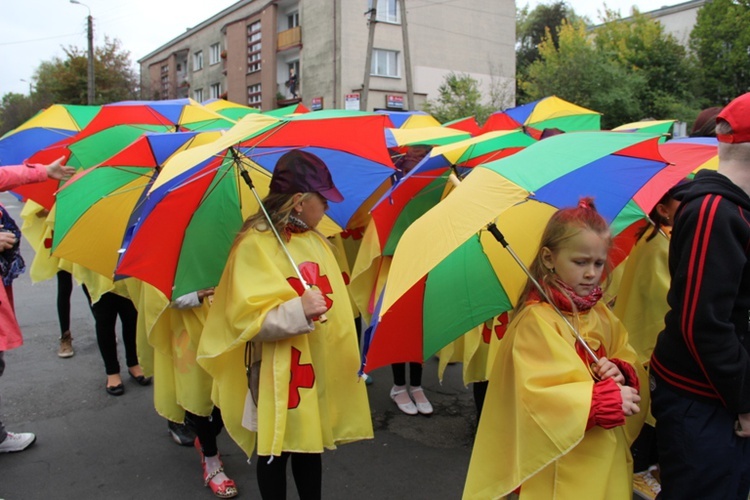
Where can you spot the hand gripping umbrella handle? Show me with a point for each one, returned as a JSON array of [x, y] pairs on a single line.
[[492, 228], [246, 176]]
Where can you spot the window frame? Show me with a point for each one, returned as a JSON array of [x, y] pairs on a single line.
[[375, 63], [214, 54], [197, 60]]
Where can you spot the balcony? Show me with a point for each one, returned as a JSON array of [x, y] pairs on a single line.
[[289, 38]]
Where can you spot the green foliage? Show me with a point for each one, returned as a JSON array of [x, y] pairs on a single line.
[[14, 110], [459, 96], [577, 72], [64, 81], [721, 43], [531, 29]]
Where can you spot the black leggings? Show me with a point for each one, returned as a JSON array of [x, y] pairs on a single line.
[[64, 291], [206, 428], [105, 311], [307, 470], [399, 374]]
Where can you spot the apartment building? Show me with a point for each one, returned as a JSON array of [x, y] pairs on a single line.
[[272, 53]]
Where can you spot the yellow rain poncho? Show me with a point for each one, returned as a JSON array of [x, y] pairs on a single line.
[[533, 427], [310, 397]]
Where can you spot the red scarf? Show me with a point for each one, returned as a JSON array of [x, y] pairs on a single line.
[[563, 300], [294, 226]]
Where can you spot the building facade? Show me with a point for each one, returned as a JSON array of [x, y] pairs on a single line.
[[267, 54]]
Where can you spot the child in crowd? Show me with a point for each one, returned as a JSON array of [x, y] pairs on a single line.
[[304, 392], [553, 423]]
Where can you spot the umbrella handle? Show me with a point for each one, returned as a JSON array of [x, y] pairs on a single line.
[[246, 176]]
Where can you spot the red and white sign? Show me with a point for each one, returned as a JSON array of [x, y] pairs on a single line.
[[351, 101]]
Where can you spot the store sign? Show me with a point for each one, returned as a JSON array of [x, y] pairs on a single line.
[[316, 104], [351, 101], [394, 101]]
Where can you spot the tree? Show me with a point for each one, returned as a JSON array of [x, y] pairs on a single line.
[[642, 47], [531, 29], [580, 73], [14, 110], [458, 96], [64, 81], [721, 43]]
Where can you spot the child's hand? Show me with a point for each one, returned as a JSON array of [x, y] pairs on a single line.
[[742, 428], [605, 369], [202, 294], [630, 400], [7, 240], [313, 303], [56, 170]]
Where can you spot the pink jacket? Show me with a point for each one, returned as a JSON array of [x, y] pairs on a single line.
[[10, 177]]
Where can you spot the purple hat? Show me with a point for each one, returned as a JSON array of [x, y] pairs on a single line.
[[301, 172]]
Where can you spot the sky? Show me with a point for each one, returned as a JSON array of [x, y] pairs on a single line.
[[33, 31]]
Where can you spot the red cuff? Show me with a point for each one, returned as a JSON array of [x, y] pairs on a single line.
[[628, 371], [606, 406]]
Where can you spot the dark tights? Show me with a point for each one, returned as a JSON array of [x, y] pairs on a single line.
[[399, 374], [105, 311], [307, 470], [480, 391], [206, 428], [64, 291]]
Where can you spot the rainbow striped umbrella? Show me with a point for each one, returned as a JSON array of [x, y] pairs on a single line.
[[229, 109], [437, 292], [549, 112], [95, 207], [197, 205], [53, 124]]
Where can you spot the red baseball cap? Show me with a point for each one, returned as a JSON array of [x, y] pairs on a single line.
[[737, 115], [298, 171]]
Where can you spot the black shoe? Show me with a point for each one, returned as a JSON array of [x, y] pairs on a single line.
[[115, 390], [181, 433], [142, 380]]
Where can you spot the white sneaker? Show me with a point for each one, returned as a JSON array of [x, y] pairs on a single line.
[[405, 406], [17, 442]]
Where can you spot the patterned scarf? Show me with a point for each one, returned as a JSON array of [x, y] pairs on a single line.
[[294, 226], [563, 300], [11, 262]]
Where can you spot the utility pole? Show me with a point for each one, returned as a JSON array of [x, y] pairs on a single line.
[[407, 57], [90, 36], [368, 58]]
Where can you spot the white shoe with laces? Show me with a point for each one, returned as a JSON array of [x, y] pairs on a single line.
[[402, 400], [17, 441]]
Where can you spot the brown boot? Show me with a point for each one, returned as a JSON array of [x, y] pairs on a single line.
[[66, 346]]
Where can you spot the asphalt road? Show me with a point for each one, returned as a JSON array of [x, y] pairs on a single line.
[[92, 445]]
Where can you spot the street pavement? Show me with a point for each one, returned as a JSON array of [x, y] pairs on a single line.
[[92, 445]]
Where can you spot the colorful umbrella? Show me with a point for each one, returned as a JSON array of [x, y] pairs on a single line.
[[439, 291], [229, 109], [198, 203], [294, 109], [114, 127], [696, 152], [663, 127], [424, 136], [427, 183], [47, 127], [94, 208], [549, 112], [468, 124], [410, 119]]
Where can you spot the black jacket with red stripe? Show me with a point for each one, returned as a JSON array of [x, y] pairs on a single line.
[[703, 350]]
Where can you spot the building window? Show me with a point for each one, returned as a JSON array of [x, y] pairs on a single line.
[[198, 61], [292, 20], [198, 95], [384, 63], [214, 53], [164, 79], [214, 91], [254, 96], [253, 47], [388, 11]]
